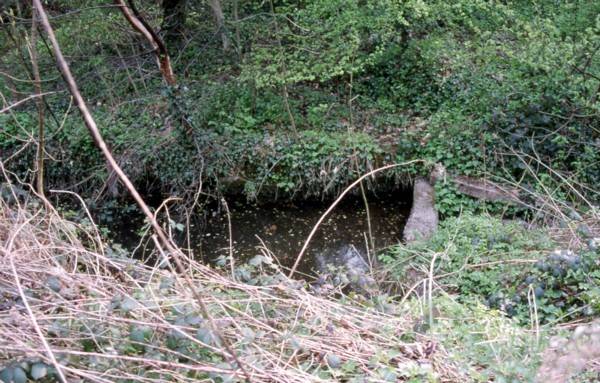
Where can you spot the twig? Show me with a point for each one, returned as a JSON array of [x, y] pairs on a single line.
[[334, 204], [430, 290], [6, 109], [8, 253], [231, 261]]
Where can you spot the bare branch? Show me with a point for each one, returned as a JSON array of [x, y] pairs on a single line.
[[39, 160], [6, 109], [160, 50], [99, 140], [334, 204]]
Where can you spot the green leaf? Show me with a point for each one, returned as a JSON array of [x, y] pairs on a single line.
[[193, 320], [256, 261], [249, 334], [388, 375], [53, 283], [6, 375], [128, 304], [166, 283], [140, 334], [295, 344], [224, 377], [349, 367], [207, 336], [172, 341]]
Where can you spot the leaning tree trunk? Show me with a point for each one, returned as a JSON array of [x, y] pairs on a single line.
[[173, 250], [160, 50], [174, 15]]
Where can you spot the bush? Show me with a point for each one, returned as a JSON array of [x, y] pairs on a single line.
[[506, 266], [493, 347]]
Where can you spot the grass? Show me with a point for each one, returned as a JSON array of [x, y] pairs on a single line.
[[74, 307]]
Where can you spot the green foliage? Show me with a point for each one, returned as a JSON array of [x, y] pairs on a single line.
[[562, 285], [404, 77], [28, 370], [318, 158], [524, 82], [445, 143], [508, 267], [506, 79], [466, 244], [483, 87], [496, 346], [328, 39]]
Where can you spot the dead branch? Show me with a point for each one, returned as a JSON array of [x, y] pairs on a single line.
[[160, 50], [99, 140], [334, 204], [11, 106]]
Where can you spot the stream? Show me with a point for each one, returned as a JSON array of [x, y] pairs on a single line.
[[283, 229]]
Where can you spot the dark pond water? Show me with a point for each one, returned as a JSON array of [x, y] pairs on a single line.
[[283, 228]]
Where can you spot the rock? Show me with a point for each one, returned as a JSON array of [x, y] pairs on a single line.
[[348, 265], [423, 220]]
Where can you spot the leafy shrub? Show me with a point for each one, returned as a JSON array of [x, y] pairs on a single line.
[[562, 285], [498, 89], [344, 37], [494, 347], [505, 265]]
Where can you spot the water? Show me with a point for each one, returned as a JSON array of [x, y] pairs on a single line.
[[283, 228]]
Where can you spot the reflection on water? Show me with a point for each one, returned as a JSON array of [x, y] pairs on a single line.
[[284, 227]]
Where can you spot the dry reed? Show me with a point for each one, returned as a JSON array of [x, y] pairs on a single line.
[[69, 302]]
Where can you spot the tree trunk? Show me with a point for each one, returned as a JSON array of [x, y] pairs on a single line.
[[174, 15], [160, 50], [236, 20], [39, 161], [220, 22]]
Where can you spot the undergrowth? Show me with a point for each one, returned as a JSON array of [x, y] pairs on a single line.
[[107, 317], [507, 265], [505, 91]]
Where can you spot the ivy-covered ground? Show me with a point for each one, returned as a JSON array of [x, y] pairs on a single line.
[[504, 91]]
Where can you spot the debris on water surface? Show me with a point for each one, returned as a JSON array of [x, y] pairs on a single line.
[[284, 228]]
